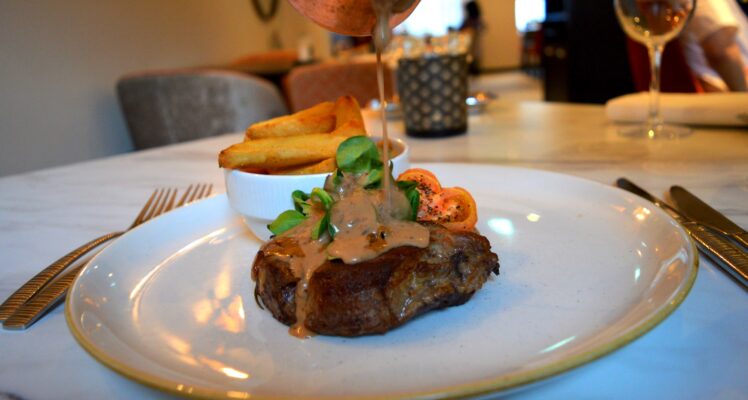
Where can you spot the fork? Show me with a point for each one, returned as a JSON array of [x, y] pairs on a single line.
[[35, 297]]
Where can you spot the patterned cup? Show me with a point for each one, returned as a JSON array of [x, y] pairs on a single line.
[[432, 92]]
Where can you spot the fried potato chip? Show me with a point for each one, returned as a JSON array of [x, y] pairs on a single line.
[[321, 167], [254, 170], [300, 143], [347, 109], [350, 129], [317, 119], [280, 152]]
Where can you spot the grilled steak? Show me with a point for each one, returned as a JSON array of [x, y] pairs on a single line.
[[380, 294]]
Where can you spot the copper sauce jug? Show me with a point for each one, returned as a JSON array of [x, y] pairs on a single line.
[[351, 17]]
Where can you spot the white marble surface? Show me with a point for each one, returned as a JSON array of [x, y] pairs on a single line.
[[700, 351]]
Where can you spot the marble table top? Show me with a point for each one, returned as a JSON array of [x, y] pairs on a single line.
[[700, 351]]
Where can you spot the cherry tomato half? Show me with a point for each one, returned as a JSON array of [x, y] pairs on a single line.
[[452, 207]]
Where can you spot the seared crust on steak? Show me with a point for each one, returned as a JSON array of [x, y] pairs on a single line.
[[380, 294]]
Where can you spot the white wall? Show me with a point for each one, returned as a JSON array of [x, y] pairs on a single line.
[[59, 61], [501, 42]]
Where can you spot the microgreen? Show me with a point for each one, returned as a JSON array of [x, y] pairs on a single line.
[[285, 221], [300, 202], [321, 226], [323, 197], [413, 196], [359, 155]]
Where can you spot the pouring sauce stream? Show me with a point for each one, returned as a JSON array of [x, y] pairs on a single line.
[[381, 36]]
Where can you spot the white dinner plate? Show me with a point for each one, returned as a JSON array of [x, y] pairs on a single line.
[[585, 269]]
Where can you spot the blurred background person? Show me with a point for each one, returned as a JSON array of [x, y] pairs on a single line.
[[474, 25], [715, 44]]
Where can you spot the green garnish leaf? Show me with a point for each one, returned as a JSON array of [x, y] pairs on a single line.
[[300, 202], [338, 177], [406, 185], [323, 197], [355, 154], [374, 178], [413, 196], [332, 230], [358, 155], [321, 226], [285, 221]]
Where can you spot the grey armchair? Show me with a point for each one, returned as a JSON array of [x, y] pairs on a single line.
[[165, 107]]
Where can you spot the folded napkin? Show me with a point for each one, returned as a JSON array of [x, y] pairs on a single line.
[[725, 109]]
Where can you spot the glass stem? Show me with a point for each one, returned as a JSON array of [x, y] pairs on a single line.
[[654, 119]]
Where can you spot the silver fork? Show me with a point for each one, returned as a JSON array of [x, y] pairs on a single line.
[[37, 297]]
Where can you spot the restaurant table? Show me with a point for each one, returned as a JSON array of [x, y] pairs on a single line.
[[700, 351]]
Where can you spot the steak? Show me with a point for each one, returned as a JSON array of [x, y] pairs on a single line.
[[377, 295]]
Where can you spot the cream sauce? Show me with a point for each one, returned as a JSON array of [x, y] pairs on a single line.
[[367, 229], [304, 259]]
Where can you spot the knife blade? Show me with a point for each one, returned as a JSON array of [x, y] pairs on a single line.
[[717, 248], [696, 209]]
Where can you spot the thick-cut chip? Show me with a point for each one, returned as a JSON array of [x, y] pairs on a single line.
[[317, 119], [301, 143], [347, 109], [324, 166], [254, 170], [350, 129], [280, 152]]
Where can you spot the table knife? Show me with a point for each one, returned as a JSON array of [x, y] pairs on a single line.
[[717, 248], [694, 208]]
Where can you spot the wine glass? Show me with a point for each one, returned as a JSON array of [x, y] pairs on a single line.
[[653, 23]]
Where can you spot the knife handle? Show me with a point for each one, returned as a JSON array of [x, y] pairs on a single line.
[[43, 302], [742, 238], [30, 288], [723, 252]]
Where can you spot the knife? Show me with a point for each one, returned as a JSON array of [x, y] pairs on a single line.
[[694, 208], [717, 248]]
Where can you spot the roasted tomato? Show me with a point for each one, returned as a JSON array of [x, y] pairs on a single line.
[[452, 207]]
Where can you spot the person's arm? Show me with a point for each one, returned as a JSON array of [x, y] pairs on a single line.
[[723, 55]]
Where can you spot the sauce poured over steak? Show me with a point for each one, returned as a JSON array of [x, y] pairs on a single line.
[[379, 294]]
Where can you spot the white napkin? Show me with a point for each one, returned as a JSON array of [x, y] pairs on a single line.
[[725, 109]]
